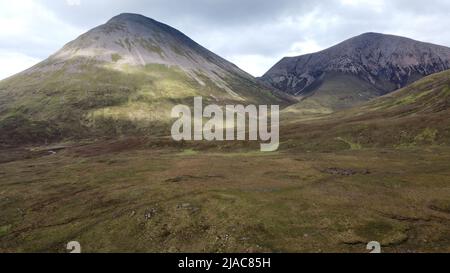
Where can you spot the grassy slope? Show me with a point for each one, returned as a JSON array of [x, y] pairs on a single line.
[[416, 115], [336, 91], [88, 99]]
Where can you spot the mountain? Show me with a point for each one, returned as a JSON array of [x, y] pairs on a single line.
[[418, 114], [356, 70], [122, 77]]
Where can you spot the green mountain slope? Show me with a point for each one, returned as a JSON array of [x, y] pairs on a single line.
[[120, 78], [416, 115]]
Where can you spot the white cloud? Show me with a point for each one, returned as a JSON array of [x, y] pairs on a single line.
[[254, 64], [73, 2], [30, 32], [14, 62], [254, 34], [304, 47], [376, 5]]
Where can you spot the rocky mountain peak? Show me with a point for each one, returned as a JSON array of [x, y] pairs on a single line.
[[135, 40], [387, 62], [127, 17]]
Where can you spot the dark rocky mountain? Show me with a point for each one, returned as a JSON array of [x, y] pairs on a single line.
[[357, 69]]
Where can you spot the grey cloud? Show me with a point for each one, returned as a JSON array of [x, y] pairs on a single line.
[[264, 28], [214, 12]]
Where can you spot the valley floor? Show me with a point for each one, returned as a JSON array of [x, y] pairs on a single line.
[[180, 200]]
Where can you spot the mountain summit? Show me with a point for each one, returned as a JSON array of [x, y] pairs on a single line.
[[122, 77], [136, 40], [357, 69]]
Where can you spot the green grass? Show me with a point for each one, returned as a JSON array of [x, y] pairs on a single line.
[[353, 146], [114, 199], [188, 152], [116, 57], [4, 230], [428, 136]]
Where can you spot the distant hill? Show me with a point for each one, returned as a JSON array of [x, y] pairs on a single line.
[[418, 114], [356, 70], [122, 77]]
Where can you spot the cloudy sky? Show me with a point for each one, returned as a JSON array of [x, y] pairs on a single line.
[[254, 34]]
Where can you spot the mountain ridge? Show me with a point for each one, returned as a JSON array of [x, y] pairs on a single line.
[[383, 62]]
